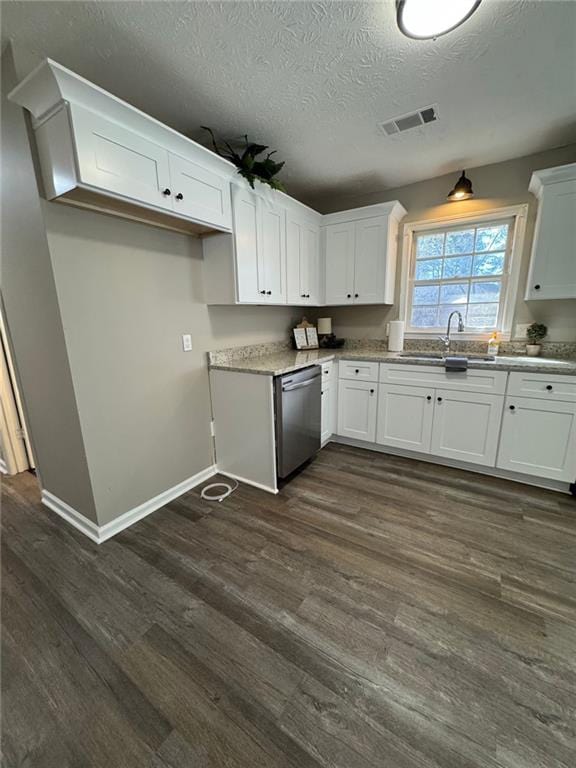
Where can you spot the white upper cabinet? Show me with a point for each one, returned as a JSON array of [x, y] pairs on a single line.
[[98, 151], [302, 258], [272, 252], [246, 236], [339, 263], [113, 158], [553, 264], [360, 248], [199, 193]]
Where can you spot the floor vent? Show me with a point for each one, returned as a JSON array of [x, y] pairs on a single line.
[[412, 120]]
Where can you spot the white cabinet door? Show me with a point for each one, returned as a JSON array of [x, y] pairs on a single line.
[[200, 194], [339, 264], [405, 417], [357, 402], [114, 159], [310, 264], [328, 394], [294, 258], [370, 260], [466, 426], [553, 263], [539, 438], [246, 236], [272, 253]]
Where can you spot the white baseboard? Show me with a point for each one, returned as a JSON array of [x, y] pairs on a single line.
[[68, 513], [244, 480], [100, 533], [517, 477]]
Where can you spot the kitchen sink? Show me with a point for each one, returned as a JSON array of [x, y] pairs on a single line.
[[439, 356]]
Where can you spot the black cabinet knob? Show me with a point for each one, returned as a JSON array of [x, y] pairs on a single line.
[[357, 370], [307, 295], [269, 293], [439, 399], [537, 287], [355, 295], [179, 196], [371, 391], [428, 397], [549, 387], [512, 407], [321, 391], [166, 191], [302, 295], [348, 295], [262, 291]]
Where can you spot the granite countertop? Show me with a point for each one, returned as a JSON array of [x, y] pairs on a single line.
[[291, 360]]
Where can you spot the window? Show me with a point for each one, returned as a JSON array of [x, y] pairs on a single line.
[[464, 266]]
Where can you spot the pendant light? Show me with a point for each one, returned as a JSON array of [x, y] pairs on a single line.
[[425, 19], [462, 189]]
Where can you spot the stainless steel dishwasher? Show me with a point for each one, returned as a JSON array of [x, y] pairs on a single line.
[[298, 412]]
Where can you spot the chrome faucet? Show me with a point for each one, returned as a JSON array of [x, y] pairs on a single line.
[[446, 339]]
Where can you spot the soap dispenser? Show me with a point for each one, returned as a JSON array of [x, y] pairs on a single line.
[[493, 344]]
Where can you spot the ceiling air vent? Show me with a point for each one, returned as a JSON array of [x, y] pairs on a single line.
[[412, 120]]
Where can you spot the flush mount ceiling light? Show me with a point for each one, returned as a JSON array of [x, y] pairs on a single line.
[[424, 19], [462, 189]]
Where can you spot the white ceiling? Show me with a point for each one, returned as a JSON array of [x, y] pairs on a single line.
[[313, 79]]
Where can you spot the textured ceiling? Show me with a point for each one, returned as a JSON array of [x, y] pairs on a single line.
[[313, 79]]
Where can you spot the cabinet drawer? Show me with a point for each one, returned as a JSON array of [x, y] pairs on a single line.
[[489, 382], [551, 387], [356, 369]]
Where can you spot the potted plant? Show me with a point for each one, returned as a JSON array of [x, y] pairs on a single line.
[[264, 170], [535, 333]]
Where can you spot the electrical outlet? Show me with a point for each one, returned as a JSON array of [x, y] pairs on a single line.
[[187, 342], [520, 330]]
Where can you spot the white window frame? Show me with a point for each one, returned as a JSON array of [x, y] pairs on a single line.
[[510, 279]]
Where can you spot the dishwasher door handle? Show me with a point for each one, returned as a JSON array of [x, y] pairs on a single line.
[[300, 386]]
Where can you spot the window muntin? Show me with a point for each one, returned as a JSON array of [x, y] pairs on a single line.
[[463, 267]]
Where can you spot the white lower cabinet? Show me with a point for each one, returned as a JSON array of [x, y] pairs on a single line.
[[466, 426], [357, 401], [328, 396], [405, 417], [539, 438]]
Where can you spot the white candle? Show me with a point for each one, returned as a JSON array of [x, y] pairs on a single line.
[[324, 325]]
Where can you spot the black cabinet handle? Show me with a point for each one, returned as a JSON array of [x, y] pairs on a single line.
[[537, 287], [549, 387], [439, 399], [166, 191], [179, 196], [428, 397], [512, 407]]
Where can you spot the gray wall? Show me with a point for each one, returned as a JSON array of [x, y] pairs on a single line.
[[126, 294], [32, 317], [495, 186]]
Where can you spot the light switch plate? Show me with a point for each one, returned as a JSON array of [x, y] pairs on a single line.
[[187, 342], [520, 330]]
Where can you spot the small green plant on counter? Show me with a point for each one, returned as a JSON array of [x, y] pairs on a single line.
[[536, 332], [248, 166]]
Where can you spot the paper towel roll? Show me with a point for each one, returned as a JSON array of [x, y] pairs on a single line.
[[396, 336], [324, 325]]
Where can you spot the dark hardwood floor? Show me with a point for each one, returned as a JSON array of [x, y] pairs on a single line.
[[380, 612]]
